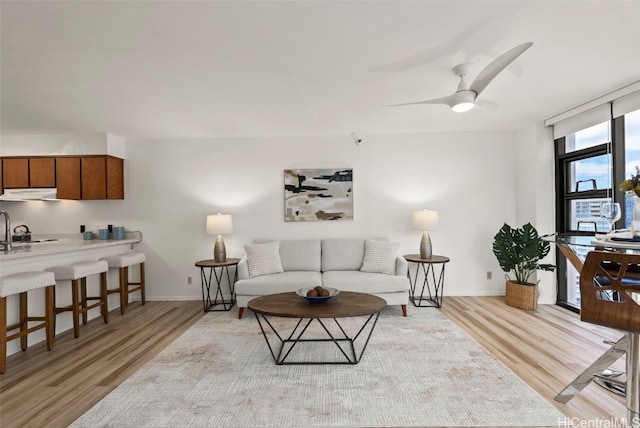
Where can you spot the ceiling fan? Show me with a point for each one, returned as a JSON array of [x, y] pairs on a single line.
[[466, 96]]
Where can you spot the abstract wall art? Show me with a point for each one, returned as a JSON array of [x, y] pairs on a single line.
[[318, 194]]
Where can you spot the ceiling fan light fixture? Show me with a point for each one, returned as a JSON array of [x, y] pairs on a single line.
[[462, 101], [462, 107]]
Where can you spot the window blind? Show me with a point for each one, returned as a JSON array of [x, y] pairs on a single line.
[[626, 104], [607, 107], [584, 120]]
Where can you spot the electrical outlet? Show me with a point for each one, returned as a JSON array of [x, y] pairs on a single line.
[[189, 280], [489, 274]]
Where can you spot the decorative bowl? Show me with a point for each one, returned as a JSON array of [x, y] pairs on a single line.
[[332, 293]]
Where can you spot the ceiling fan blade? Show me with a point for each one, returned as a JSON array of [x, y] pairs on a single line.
[[487, 105], [412, 61], [443, 100], [496, 66], [467, 41]]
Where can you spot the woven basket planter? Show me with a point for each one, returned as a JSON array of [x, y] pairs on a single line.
[[521, 296]]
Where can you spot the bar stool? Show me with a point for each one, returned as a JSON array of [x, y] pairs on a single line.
[[77, 273], [123, 262], [22, 283], [610, 296]]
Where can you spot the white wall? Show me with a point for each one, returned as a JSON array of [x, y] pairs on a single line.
[[171, 185], [535, 175], [85, 144]]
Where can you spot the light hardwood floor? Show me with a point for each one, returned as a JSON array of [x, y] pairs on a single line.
[[546, 348]]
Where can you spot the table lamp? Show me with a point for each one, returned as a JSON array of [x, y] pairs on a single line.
[[219, 224], [425, 221]]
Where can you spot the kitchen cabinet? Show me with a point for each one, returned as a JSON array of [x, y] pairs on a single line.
[[22, 173], [15, 173], [68, 178], [93, 173], [115, 177], [75, 177], [42, 172], [102, 178]]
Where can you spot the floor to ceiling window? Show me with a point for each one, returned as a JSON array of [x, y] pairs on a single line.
[[591, 160], [632, 158]]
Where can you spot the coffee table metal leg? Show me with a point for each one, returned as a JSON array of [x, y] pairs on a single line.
[[296, 336]]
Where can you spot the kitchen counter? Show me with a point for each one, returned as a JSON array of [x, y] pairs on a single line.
[[57, 244], [61, 250]]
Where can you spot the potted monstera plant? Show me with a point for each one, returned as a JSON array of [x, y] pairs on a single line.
[[519, 252]]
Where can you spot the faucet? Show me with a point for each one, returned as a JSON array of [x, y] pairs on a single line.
[[6, 243]]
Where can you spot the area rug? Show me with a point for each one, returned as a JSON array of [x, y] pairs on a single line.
[[421, 370]]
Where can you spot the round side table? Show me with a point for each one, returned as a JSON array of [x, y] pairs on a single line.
[[434, 288], [217, 269]]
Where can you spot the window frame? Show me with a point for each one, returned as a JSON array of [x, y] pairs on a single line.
[[564, 196]]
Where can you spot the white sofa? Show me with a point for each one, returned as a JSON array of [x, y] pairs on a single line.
[[334, 263]]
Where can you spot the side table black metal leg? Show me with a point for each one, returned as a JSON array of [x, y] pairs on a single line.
[[438, 286], [432, 285], [217, 270], [219, 276], [206, 289]]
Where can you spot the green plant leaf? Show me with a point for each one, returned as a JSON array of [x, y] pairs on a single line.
[[519, 250]]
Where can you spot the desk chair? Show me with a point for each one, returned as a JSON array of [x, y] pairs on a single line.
[[610, 296]]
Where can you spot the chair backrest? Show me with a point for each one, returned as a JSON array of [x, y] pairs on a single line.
[[610, 290]]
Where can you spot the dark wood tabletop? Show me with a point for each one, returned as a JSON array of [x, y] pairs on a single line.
[[290, 305], [211, 263], [415, 258]]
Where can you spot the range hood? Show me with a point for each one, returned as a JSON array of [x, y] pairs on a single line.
[[29, 195]]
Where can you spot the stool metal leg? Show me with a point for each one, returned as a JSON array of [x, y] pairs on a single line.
[[24, 323], [633, 380], [3, 334]]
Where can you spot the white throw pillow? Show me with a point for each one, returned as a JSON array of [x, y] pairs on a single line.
[[380, 257], [263, 259]]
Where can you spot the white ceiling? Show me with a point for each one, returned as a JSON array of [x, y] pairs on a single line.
[[151, 69]]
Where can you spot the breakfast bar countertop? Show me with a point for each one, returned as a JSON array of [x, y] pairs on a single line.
[[42, 245]]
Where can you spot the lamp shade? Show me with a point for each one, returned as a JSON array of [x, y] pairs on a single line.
[[425, 220], [218, 224]]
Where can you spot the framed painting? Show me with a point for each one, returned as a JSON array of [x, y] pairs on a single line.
[[318, 194]]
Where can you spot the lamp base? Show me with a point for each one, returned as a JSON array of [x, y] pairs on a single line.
[[219, 251], [425, 246]]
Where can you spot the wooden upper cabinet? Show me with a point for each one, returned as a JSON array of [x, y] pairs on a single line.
[[15, 173], [68, 178], [42, 172], [75, 177], [94, 177], [115, 178]]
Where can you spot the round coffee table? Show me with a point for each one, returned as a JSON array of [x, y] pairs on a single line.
[[344, 305]]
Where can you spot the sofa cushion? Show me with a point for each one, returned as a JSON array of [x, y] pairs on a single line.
[[277, 283], [365, 282], [263, 259], [380, 257], [343, 254], [299, 254]]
